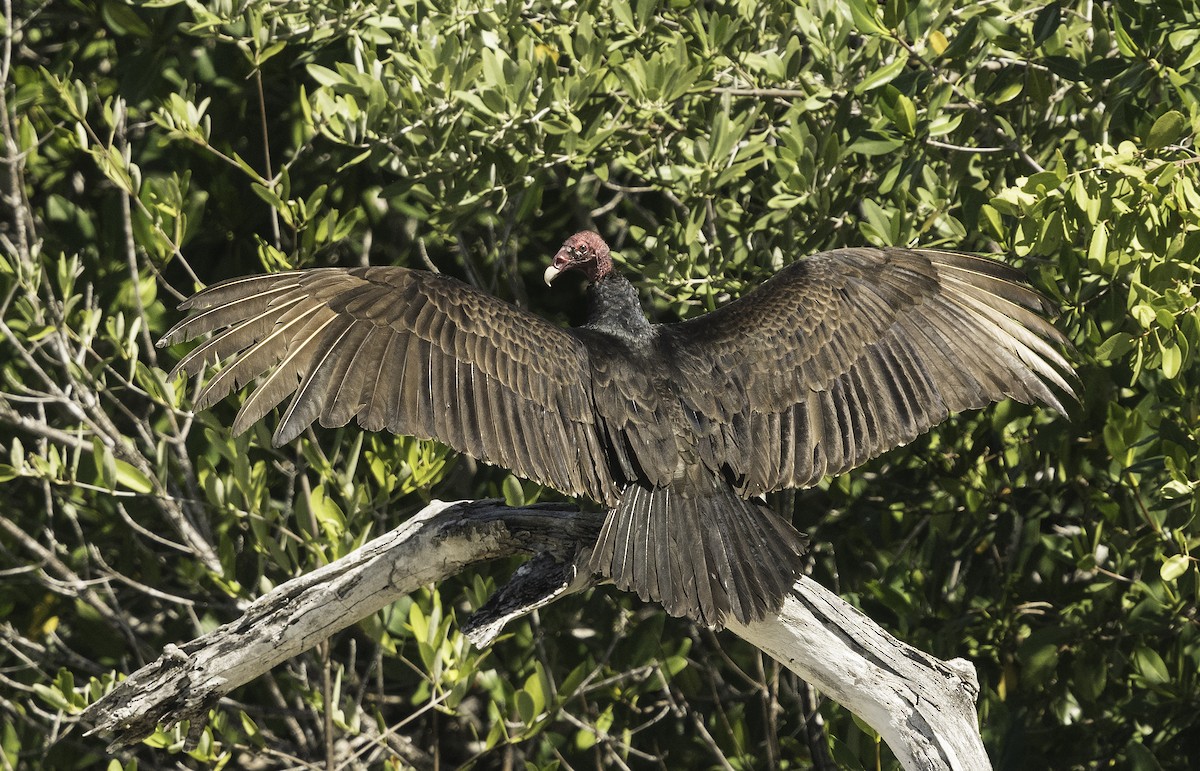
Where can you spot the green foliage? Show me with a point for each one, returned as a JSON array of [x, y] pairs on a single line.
[[151, 147]]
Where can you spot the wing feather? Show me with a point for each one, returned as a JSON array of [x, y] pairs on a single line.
[[413, 352], [345, 380], [847, 354]]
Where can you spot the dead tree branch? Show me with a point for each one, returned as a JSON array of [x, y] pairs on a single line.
[[924, 708]]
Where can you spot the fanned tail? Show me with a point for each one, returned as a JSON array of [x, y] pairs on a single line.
[[699, 550]]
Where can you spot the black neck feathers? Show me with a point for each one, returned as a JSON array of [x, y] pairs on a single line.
[[613, 308]]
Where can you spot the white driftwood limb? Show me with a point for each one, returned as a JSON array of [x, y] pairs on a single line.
[[187, 680], [921, 706]]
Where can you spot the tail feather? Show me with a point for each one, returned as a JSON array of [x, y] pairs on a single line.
[[700, 550]]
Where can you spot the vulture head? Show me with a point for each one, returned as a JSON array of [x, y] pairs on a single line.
[[584, 251]]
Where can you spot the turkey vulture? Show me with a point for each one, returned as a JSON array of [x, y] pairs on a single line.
[[678, 429]]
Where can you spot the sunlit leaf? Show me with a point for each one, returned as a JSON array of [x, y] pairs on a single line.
[[1174, 566], [1166, 130]]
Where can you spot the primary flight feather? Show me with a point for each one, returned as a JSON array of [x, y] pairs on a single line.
[[676, 428]]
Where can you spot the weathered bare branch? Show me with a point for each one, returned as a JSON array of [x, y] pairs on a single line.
[[923, 707], [438, 542]]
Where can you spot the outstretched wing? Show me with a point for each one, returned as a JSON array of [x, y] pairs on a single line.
[[416, 353], [847, 354]]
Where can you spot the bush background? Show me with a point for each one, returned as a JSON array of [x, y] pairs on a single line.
[[152, 147]]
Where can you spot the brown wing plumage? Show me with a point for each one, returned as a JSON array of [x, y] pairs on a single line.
[[834, 360], [847, 354], [413, 352]]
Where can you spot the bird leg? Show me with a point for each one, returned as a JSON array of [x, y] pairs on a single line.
[[536, 583]]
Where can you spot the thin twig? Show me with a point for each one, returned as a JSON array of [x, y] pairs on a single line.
[[14, 196], [266, 141], [130, 246], [781, 93]]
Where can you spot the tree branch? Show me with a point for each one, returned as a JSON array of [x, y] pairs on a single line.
[[922, 707]]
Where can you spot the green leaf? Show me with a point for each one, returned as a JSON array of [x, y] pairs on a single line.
[[131, 478], [874, 143], [585, 739], [865, 16], [1167, 130], [894, 12], [1098, 247], [938, 42], [246, 167], [52, 696], [879, 220], [673, 665], [963, 43], [1174, 566], [1172, 360], [1151, 666], [865, 727], [1144, 314], [569, 684], [1193, 58], [1115, 346], [1125, 43], [327, 513], [905, 115], [123, 20], [269, 51], [1039, 659], [993, 219], [514, 493], [1046, 23], [533, 686], [248, 724], [1089, 677], [1140, 757], [268, 195], [325, 76], [624, 13], [944, 124], [605, 720], [1176, 489], [882, 76], [526, 708]]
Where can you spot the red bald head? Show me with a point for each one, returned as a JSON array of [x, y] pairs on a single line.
[[584, 251]]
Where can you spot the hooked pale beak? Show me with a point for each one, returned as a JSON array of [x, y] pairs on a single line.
[[557, 265]]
